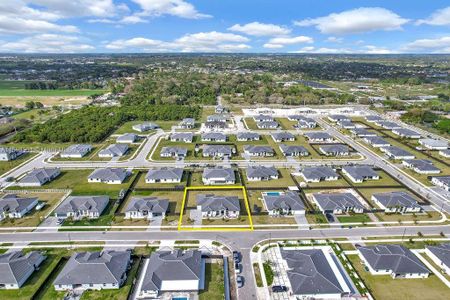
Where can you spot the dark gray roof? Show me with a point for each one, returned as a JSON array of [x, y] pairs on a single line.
[[153, 204], [214, 136], [443, 179], [362, 132], [388, 124], [293, 149], [310, 272], [339, 117], [261, 172], [422, 164], [165, 173], [175, 265], [214, 149], [145, 126], [373, 118], [442, 252], [282, 136], [219, 172], [288, 200], [188, 121], [41, 175], [13, 203], [77, 149], [346, 124], [434, 142], [376, 140], [318, 135], [360, 172], [78, 203], [15, 265], [216, 117], [337, 148], [174, 150], [396, 199], [126, 137], [405, 132], [337, 201], [107, 266], [211, 202], [213, 124], [248, 135], [269, 124], [397, 258], [396, 151], [263, 118], [115, 150], [109, 174], [320, 172], [182, 136], [258, 149]]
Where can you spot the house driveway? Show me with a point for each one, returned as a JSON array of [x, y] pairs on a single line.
[[196, 215], [301, 219], [156, 221]]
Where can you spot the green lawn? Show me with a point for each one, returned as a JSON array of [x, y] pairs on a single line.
[[5, 166], [214, 282], [386, 288], [284, 180], [268, 272], [354, 218]]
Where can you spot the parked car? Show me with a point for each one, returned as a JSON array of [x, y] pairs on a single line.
[[238, 268], [240, 281], [279, 289], [329, 217], [236, 256]]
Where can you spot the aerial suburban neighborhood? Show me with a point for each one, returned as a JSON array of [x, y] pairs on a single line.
[[224, 150]]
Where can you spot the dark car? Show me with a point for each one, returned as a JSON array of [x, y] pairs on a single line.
[[236, 256], [330, 217], [279, 289]]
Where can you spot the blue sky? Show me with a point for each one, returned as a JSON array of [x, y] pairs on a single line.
[[301, 26]]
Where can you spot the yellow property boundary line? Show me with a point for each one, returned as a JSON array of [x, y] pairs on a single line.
[[215, 187]]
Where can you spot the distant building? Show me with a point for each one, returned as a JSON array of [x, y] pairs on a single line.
[[387, 124], [362, 132], [261, 173], [217, 118], [218, 176], [318, 174], [421, 166], [215, 125], [14, 207], [217, 151], [283, 204], [114, 150], [338, 118], [256, 150], [358, 174], [7, 154], [445, 153]]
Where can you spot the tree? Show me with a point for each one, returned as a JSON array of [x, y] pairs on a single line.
[[29, 105], [38, 105]]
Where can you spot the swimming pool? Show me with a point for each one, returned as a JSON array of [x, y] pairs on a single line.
[[273, 193], [180, 298]]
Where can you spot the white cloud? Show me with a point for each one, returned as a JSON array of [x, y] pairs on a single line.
[[323, 50], [273, 46], [47, 43], [260, 29], [18, 25], [78, 8], [179, 8], [359, 20], [333, 39], [370, 49], [439, 17], [438, 45], [280, 42], [197, 42]]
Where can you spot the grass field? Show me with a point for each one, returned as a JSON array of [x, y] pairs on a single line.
[[386, 288], [214, 282], [45, 93], [5, 166], [141, 184], [284, 180]]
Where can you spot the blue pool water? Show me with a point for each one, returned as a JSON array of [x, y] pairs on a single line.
[[180, 298], [273, 193]]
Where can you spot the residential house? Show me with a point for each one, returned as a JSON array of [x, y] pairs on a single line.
[[396, 202], [372, 119], [164, 175], [217, 118], [335, 150], [283, 204], [215, 125], [362, 132], [445, 153], [14, 207], [358, 174], [257, 150], [145, 127], [318, 174], [187, 123], [98, 270], [338, 118], [263, 118], [406, 133], [218, 151], [220, 109], [114, 150], [387, 124], [261, 173], [146, 208], [76, 151], [305, 123], [212, 206], [346, 124], [214, 137], [283, 136], [293, 150], [186, 137], [338, 203], [39, 177], [395, 152], [376, 141], [79, 207], [172, 271], [109, 175], [127, 138], [319, 137], [7, 154], [395, 260], [248, 136], [295, 117], [442, 181], [421, 166], [440, 255], [176, 152], [218, 176], [16, 267], [433, 144], [267, 125]]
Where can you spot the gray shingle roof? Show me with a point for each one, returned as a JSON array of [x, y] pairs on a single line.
[[373, 118], [319, 135], [214, 136], [248, 136], [94, 268], [12, 203], [396, 199], [443, 179], [263, 118], [396, 151], [152, 204], [109, 174], [360, 172], [397, 258], [114, 150], [41, 175], [261, 172], [405, 132], [217, 149], [375, 140], [79, 203], [267, 124], [171, 266], [442, 252], [165, 173], [258, 149], [218, 172], [330, 202], [339, 118], [127, 137], [282, 136], [310, 272], [388, 124], [177, 151], [211, 202], [77, 149], [334, 149], [293, 150], [434, 142], [15, 265], [288, 200], [189, 136], [320, 172], [145, 126], [362, 132], [421, 164], [215, 124]]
